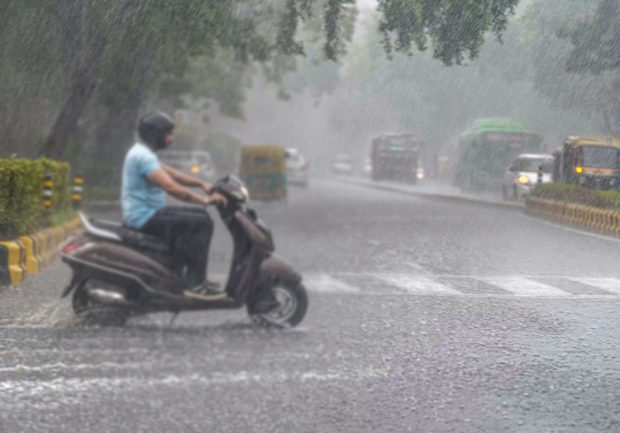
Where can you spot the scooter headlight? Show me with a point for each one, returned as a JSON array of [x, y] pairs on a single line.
[[245, 193], [524, 180]]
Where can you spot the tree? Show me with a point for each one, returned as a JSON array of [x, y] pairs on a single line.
[[596, 50], [455, 29]]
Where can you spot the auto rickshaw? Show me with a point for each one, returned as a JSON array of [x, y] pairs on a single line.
[[588, 161], [263, 169]]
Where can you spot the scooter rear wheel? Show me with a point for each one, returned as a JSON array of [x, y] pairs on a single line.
[[95, 312], [292, 300]]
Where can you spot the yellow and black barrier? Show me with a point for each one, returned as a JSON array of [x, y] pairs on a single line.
[[577, 215], [30, 254]]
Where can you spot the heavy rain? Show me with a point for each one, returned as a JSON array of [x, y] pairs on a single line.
[[310, 216]]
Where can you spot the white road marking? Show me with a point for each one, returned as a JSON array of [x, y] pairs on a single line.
[[418, 284], [522, 286], [61, 366], [608, 284], [10, 390], [328, 283]]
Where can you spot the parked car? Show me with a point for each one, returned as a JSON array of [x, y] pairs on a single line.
[[342, 164], [296, 168], [522, 174], [195, 162]]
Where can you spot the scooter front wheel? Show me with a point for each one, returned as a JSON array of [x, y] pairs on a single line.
[[292, 304]]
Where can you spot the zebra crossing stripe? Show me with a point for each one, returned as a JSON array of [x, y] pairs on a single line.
[[327, 283], [348, 283], [418, 284], [521, 286], [608, 284]]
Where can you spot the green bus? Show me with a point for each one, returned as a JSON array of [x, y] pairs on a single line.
[[486, 150]]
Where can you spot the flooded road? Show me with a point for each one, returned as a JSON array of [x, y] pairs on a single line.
[[425, 316]]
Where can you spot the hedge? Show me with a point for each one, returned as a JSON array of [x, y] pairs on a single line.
[[21, 192], [578, 194]]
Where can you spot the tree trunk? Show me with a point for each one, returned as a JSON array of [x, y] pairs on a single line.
[[65, 129]]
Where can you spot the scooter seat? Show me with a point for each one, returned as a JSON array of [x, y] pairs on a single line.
[[132, 237]]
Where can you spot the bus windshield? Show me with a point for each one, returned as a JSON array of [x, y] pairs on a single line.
[[600, 157]]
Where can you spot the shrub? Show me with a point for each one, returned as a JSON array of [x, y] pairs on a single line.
[[579, 194], [21, 192]]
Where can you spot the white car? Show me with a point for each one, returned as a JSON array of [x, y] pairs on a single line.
[[342, 164], [296, 168], [523, 173]]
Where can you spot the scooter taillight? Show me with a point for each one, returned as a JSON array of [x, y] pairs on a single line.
[[70, 246]]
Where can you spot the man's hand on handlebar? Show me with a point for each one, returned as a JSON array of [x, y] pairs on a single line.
[[216, 198], [206, 187]]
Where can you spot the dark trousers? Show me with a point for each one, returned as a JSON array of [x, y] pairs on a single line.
[[188, 231]]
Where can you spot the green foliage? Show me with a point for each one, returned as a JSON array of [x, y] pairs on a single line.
[[596, 40], [455, 29], [577, 194], [21, 193]]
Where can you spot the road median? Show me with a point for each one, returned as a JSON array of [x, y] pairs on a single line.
[[604, 221], [37, 212], [30, 254]]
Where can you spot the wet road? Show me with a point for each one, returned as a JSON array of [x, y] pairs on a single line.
[[425, 317]]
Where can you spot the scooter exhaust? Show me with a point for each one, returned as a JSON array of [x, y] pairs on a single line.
[[108, 297]]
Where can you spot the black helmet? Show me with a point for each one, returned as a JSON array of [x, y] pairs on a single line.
[[154, 127]]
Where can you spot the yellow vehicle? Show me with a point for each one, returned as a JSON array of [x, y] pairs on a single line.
[[593, 162], [263, 169]]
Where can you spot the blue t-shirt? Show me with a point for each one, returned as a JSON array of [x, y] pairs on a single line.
[[141, 198]]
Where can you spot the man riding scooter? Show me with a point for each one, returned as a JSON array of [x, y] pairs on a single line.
[[147, 182]]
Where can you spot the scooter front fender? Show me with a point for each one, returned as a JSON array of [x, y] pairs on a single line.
[[274, 268]]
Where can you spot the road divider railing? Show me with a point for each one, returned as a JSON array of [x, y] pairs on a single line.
[[590, 218], [30, 254]]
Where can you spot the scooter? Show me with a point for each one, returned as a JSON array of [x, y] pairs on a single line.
[[119, 272]]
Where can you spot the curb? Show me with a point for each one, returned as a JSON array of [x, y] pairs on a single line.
[[577, 215], [30, 254], [408, 191]]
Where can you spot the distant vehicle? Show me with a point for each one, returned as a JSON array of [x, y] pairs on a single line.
[[367, 167], [195, 162], [263, 170], [296, 168], [522, 174], [588, 161], [420, 174], [396, 157], [487, 149], [342, 164]]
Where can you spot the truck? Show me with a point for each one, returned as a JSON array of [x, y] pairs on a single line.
[[396, 157]]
